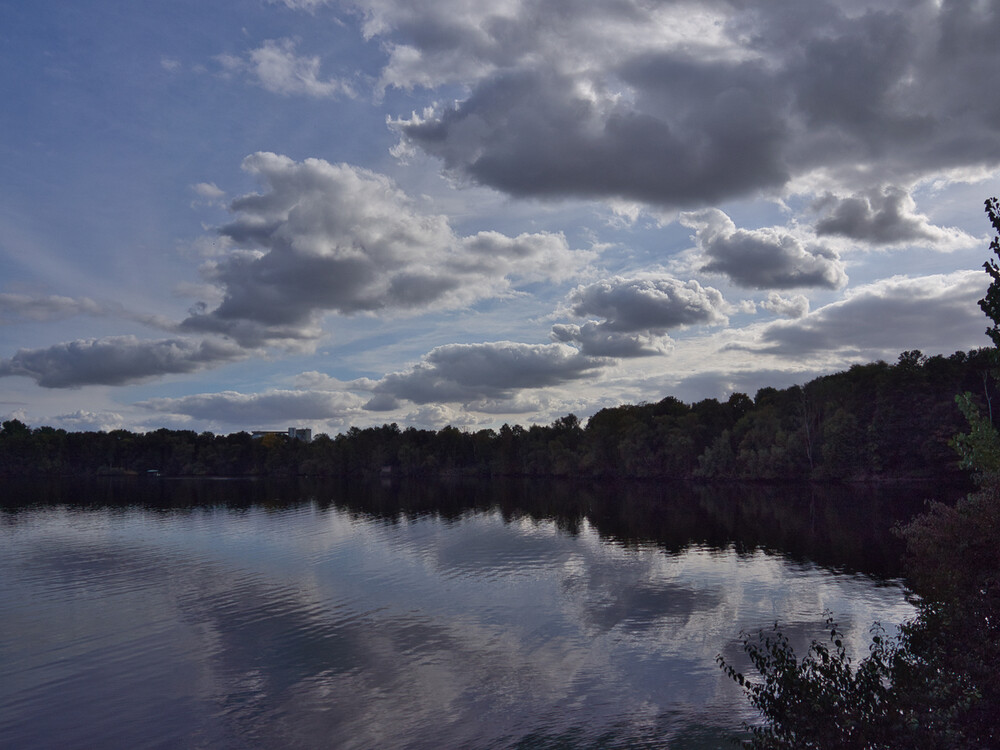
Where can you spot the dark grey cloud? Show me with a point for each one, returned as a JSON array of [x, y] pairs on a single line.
[[336, 238], [885, 217], [767, 258], [637, 313], [533, 134], [649, 302], [259, 409], [466, 373], [890, 91], [656, 103], [932, 313], [116, 360]]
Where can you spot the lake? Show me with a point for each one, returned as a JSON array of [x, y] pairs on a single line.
[[159, 613]]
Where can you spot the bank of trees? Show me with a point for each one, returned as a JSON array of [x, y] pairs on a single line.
[[872, 421]]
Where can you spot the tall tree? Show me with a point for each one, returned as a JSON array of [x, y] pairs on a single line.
[[990, 304]]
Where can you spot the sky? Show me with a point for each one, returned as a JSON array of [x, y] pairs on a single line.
[[256, 214]]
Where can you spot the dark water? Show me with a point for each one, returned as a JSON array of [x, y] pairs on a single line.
[[231, 614]]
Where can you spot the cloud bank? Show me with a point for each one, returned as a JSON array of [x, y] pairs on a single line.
[[688, 104], [117, 360], [492, 371], [932, 313], [47, 307], [333, 238], [249, 410]]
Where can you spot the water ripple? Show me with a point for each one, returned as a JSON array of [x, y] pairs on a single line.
[[316, 626]]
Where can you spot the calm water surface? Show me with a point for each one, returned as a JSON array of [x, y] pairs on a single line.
[[245, 615]]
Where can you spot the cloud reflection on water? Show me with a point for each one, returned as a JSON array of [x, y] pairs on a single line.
[[317, 624]]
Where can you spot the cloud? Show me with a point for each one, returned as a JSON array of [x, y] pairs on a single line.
[[685, 106], [933, 313], [787, 307], [330, 238], [50, 307], [649, 302], [425, 38], [884, 217], [314, 380], [467, 373], [277, 68], [594, 339], [209, 191], [543, 256], [308, 5], [259, 409], [45, 308], [722, 384], [88, 421], [116, 360], [767, 258], [534, 133], [637, 313], [436, 416]]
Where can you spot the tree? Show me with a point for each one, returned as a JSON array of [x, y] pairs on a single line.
[[822, 702], [14, 428], [990, 304]]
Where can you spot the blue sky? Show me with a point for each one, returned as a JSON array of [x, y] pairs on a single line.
[[258, 213]]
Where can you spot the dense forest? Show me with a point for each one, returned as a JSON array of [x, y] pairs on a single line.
[[871, 422]]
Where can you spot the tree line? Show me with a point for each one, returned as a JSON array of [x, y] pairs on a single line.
[[872, 421]]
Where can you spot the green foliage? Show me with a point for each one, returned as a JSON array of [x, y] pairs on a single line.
[[990, 304], [979, 448], [14, 428], [953, 561], [718, 461], [842, 445], [821, 701], [933, 686]]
